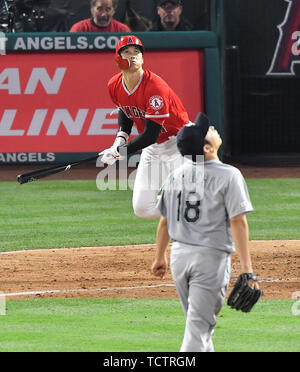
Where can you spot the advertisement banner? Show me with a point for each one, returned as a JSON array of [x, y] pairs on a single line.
[[59, 103], [287, 52]]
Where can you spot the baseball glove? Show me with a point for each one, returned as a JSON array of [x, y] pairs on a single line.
[[243, 297]]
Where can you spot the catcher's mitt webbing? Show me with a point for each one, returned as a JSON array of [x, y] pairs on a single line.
[[243, 297]]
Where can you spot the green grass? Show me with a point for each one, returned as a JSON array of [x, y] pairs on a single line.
[[68, 214], [139, 325], [276, 212], [90, 325], [56, 214], [269, 327]]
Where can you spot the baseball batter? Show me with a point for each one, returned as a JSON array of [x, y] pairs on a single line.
[[203, 208], [146, 101]]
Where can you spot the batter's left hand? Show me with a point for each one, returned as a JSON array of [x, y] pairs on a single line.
[[110, 156]]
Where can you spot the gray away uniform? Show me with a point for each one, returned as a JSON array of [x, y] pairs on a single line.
[[198, 201]]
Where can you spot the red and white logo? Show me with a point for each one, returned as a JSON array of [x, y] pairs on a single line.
[[287, 52], [156, 102]]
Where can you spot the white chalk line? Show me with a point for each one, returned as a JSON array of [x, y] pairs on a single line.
[[83, 290], [273, 280], [279, 280], [86, 290]]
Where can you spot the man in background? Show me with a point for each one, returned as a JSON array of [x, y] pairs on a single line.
[[170, 17], [102, 20]]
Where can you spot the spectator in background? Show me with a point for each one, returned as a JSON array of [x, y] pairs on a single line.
[[102, 20], [170, 17]]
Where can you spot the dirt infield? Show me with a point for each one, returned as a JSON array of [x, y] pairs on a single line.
[[125, 272]]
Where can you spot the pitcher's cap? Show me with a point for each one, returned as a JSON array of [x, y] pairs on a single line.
[[190, 138]]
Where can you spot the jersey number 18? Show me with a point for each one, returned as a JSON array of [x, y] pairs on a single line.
[[192, 207]]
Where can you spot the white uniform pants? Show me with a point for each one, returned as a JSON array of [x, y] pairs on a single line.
[[156, 162], [201, 277]]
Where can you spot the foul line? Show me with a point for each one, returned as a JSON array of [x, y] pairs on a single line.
[[56, 291], [86, 290]]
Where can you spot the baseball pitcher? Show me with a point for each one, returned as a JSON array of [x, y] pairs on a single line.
[[203, 207]]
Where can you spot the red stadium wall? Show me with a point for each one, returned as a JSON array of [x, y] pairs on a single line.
[[58, 103]]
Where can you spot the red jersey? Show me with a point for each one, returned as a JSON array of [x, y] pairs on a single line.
[[88, 25], [152, 98]]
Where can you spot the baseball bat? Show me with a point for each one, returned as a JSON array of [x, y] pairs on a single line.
[[41, 173]]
